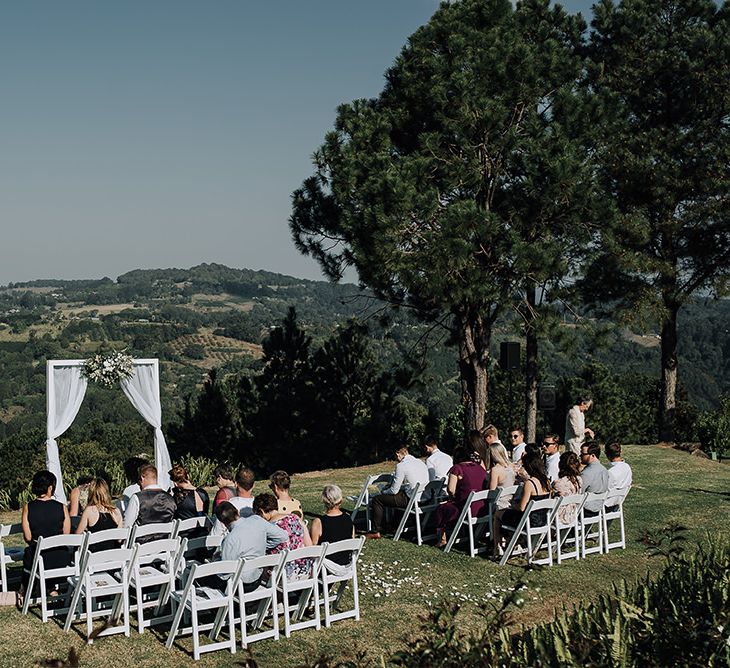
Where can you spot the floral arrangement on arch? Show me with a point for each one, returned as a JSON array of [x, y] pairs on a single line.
[[109, 369]]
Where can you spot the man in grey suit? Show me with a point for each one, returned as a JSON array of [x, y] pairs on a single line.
[[594, 477]]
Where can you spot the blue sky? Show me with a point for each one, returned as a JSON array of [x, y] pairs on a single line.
[[144, 134]]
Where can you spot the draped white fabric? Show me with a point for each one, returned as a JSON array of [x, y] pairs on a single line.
[[66, 387], [143, 390], [66, 390]]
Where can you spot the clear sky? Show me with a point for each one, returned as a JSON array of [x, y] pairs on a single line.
[[166, 133]]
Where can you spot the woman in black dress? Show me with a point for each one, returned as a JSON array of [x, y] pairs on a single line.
[[100, 514], [334, 525], [191, 501], [44, 516]]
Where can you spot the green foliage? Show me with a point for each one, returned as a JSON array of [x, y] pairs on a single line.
[[200, 470], [713, 429]]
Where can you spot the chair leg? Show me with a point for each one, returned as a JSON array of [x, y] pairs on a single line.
[[196, 639], [178, 610]]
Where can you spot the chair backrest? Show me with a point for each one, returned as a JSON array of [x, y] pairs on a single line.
[[70, 540], [157, 550], [119, 534], [272, 562], [432, 491], [574, 500], [594, 502], [545, 505], [109, 560], [351, 545], [615, 497], [380, 479], [159, 529], [192, 523], [315, 553], [7, 529]]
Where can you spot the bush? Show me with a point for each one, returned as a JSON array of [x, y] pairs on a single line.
[[713, 429]]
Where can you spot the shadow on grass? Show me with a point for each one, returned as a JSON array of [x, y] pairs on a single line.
[[725, 495]]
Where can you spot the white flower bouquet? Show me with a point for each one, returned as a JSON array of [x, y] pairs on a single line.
[[109, 369]]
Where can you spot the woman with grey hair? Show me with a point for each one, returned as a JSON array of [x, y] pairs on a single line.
[[334, 525]]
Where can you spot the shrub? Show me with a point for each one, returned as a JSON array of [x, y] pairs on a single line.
[[713, 429]]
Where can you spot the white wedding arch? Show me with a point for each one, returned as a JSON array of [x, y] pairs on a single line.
[[65, 389]]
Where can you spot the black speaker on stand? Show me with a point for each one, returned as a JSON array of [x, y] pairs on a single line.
[[509, 361]]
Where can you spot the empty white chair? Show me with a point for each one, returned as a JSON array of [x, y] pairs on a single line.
[[141, 533], [362, 500], [8, 555], [304, 589], [335, 574], [535, 532], [478, 526], [103, 575], [255, 606], [75, 545], [154, 569], [568, 532], [196, 598], [613, 509], [591, 524], [421, 505]]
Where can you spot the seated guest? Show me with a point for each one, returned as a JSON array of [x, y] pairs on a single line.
[[100, 514], [536, 488], [501, 471], [438, 462], [267, 506], [334, 525], [476, 443], [131, 470], [567, 484], [531, 450], [466, 476], [242, 501], [223, 477], [247, 537], [151, 504], [552, 456], [191, 501], [517, 439], [43, 517], [279, 482], [619, 472], [79, 495], [594, 476], [409, 472]]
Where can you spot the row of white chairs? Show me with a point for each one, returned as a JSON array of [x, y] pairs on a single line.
[[587, 533], [170, 571]]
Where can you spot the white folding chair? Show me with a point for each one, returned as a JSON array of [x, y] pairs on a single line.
[[613, 509], [75, 544], [154, 569], [362, 500], [261, 602], [535, 534], [591, 525], [333, 574], [8, 555], [563, 531], [303, 589], [196, 598], [478, 526], [143, 533], [103, 575], [421, 505], [190, 524]]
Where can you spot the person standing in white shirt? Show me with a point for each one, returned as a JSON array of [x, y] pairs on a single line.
[[620, 475], [575, 425], [438, 462], [408, 473]]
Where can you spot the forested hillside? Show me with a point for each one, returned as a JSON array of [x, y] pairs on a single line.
[[359, 372]]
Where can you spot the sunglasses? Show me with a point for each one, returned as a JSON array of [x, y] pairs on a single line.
[[514, 435], [547, 445]]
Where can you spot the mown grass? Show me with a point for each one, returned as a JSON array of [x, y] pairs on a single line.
[[399, 579]]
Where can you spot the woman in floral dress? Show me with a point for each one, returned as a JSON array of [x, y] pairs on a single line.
[[267, 506]]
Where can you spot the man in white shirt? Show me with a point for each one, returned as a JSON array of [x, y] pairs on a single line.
[[575, 425], [243, 501], [438, 462], [619, 472], [408, 473], [552, 456], [517, 439]]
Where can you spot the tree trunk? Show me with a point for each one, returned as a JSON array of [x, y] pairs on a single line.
[[530, 370], [474, 340], [668, 405]]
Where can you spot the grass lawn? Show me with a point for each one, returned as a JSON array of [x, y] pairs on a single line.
[[398, 580]]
